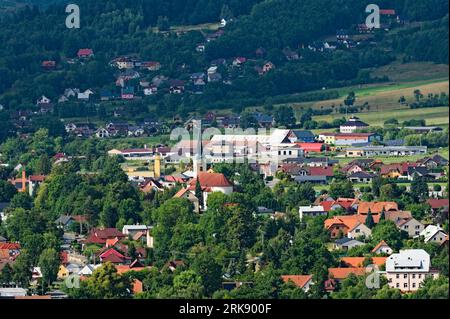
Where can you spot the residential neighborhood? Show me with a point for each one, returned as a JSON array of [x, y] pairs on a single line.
[[224, 150]]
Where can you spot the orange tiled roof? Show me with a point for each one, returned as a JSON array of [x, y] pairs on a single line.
[[351, 221], [299, 280], [380, 244], [342, 273], [376, 207], [357, 262]]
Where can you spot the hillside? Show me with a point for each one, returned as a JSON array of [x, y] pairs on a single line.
[[284, 36]]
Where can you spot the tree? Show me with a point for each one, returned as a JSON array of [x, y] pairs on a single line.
[[163, 23], [7, 191], [419, 189], [369, 220], [341, 189], [284, 116], [106, 283], [49, 262], [43, 165], [22, 269], [6, 275], [199, 193], [186, 285], [209, 270], [382, 215]]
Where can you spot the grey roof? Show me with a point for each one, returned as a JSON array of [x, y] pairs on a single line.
[[300, 179], [2, 239], [421, 171], [361, 175], [304, 135], [63, 220]]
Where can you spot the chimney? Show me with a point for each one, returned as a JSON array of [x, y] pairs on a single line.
[[24, 180]]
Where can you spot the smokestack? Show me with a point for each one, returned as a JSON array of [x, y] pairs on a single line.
[[24, 180]]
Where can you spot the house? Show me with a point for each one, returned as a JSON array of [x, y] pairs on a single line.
[[361, 178], [43, 100], [64, 221], [176, 86], [423, 129], [374, 151], [393, 171], [346, 243], [339, 274], [349, 139], [358, 262], [312, 147], [190, 196], [359, 230], [376, 207], [151, 66], [433, 234], [352, 125], [269, 66], [85, 96], [101, 235], [411, 226], [347, 204], [113, 256], [301, 281], [127, 93], [301, 136], [438, 205], [408, 269], [382, 248], [339, 226], [239, 61], [85, 53], [417, 172], [48, 65], [88, 270], [311, 211], [433, 162], [209, 183]]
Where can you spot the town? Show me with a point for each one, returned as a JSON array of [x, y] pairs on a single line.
[[249, 150]]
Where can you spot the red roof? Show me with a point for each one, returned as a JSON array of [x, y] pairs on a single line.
[[85, 52], [321, 171], [64, 257], [299, 280], [211, 180], [311, 147], [438, 203], [10, 246], [99, 236], [37, 178], [390, 12]]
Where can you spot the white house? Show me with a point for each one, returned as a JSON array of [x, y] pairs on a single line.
[[382, 248], [408, 269], [88, 270], [311, 211], [352, 125], [433, 234]]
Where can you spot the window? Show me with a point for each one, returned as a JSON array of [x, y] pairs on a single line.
[[397, 285], [405, 285], [414, 276], [397, 276], [405, 276]]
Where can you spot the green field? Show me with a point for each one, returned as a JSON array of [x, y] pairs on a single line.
[[437, 116]]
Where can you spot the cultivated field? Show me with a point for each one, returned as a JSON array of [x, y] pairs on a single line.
[[437, 116]]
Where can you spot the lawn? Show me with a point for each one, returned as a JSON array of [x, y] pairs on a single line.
[[437, 116]]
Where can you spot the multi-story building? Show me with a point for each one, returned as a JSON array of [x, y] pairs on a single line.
[[408, 269]]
